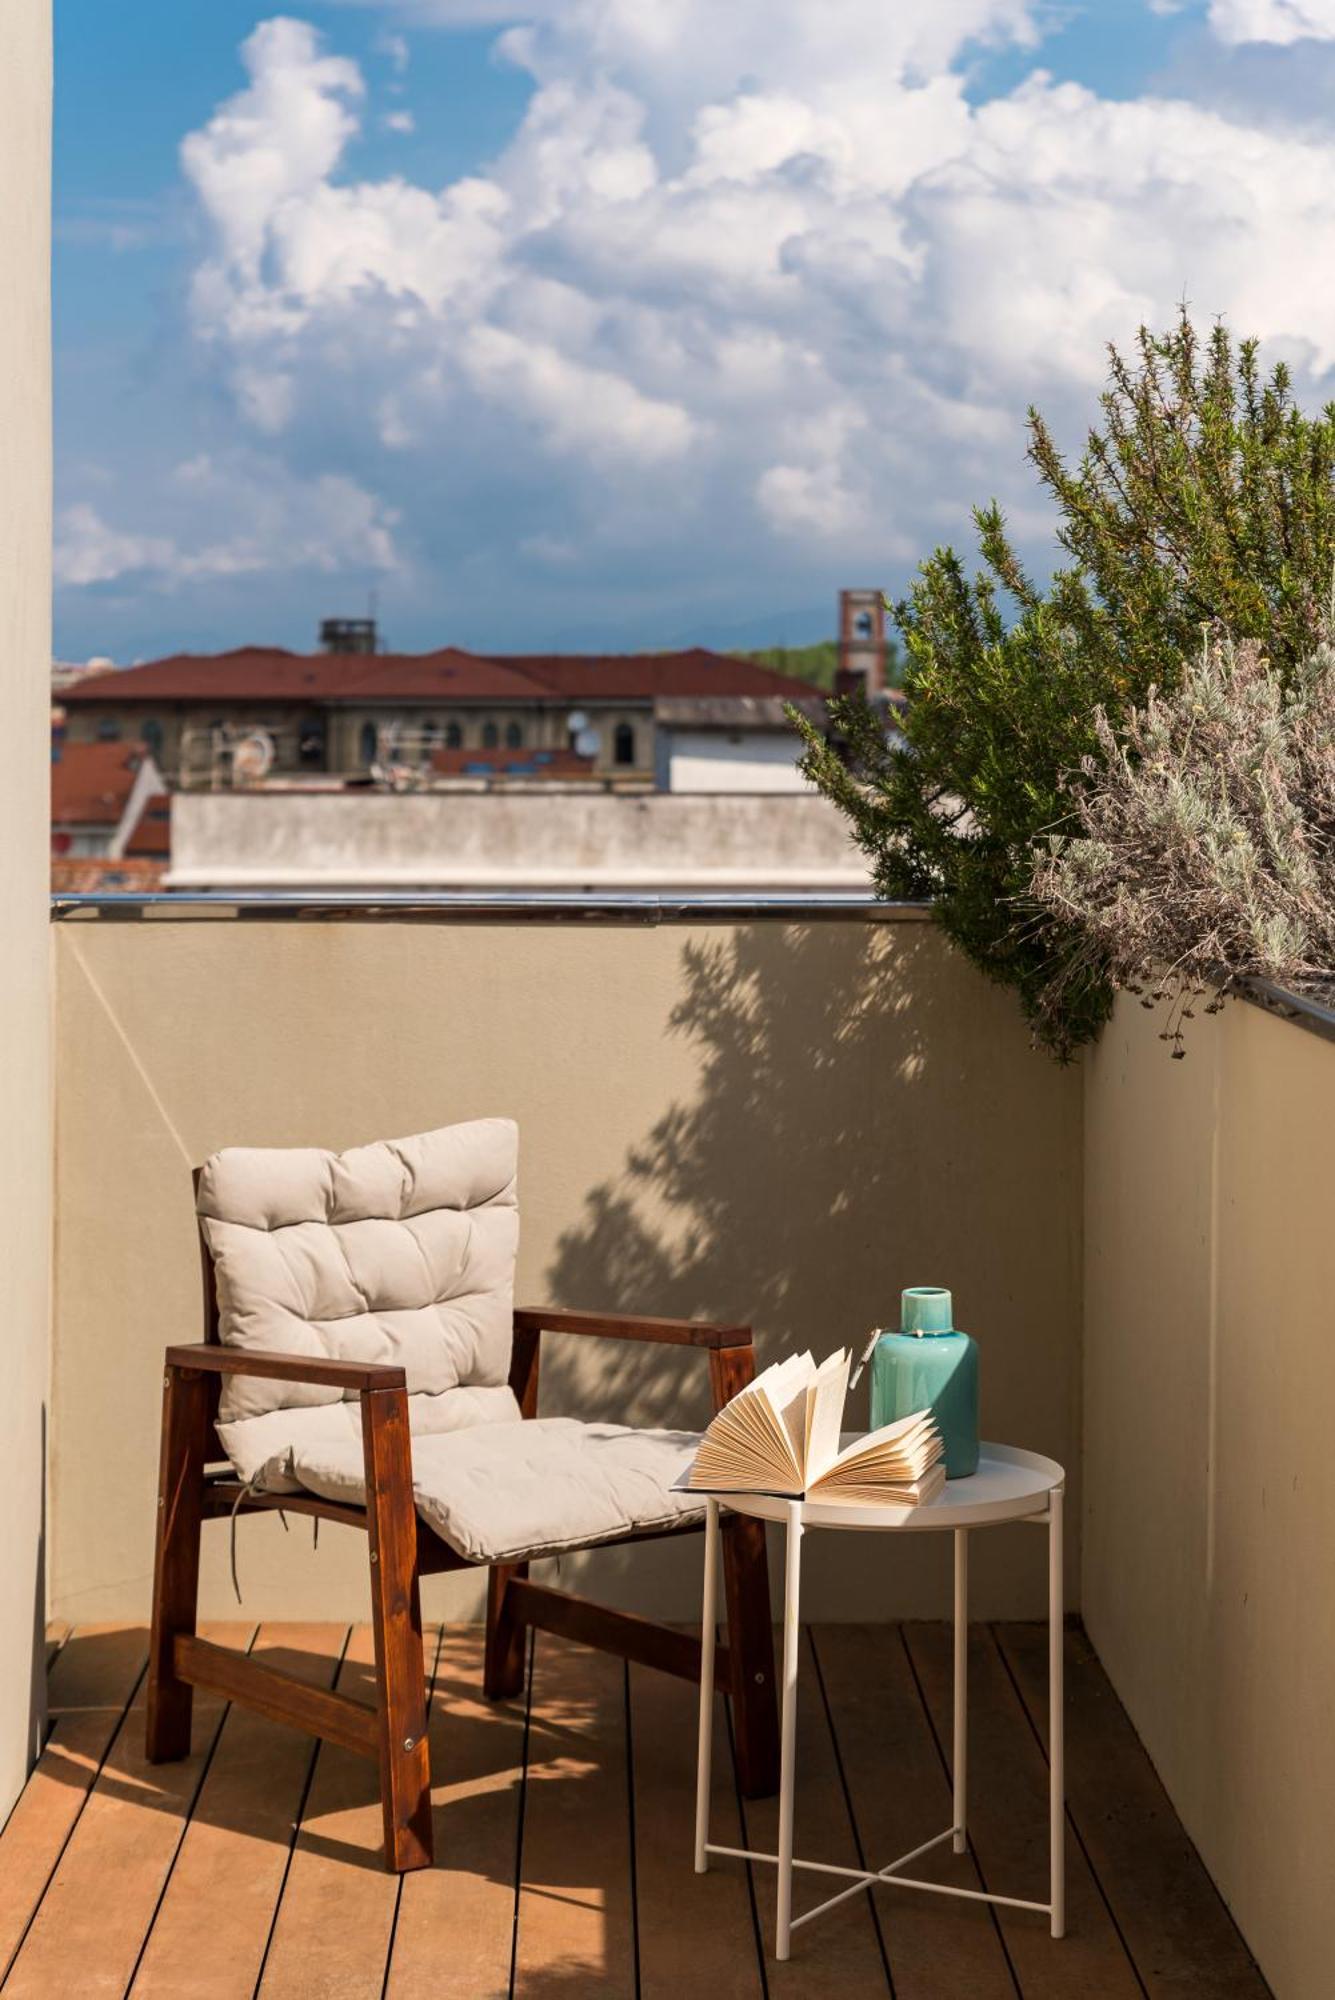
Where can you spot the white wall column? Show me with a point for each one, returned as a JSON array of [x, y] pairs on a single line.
[[25, 667]]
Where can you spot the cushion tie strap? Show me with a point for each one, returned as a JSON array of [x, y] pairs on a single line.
[[252, 1485]]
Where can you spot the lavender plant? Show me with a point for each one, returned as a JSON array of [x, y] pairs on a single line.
[[1205, 850]]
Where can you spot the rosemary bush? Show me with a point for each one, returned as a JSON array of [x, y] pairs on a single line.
[[1206, 851], [1204, 497]]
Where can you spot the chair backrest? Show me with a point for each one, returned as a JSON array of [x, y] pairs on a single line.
[[400, 1252]]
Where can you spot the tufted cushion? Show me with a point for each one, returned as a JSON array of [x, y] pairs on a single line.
[[501, 1494], [402, 1252]]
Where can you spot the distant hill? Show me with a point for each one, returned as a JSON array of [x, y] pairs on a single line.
[[816, 663]]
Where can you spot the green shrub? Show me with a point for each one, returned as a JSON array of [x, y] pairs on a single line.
[[1206, 497]]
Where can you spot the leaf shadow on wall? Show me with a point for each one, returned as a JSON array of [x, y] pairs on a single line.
[[773, 1196]]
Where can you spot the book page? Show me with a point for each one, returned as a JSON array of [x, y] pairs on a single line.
[[854, 1491], [907, 1442], [825, 1396], [749, 1446]]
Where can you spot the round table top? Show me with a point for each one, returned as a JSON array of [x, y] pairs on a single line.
[[1009, 1485]]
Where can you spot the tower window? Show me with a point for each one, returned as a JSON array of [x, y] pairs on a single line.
[[862, 625], [623, 744]]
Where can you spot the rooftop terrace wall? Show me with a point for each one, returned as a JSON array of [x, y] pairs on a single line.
[[771, 1113], [1209, 1417]]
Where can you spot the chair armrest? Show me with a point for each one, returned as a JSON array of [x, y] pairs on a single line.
[[210, 1359], [630, 1326]]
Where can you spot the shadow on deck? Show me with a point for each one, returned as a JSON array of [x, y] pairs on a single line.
[[564, 1837]]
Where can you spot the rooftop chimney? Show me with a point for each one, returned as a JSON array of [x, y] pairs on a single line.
[[348, 635]]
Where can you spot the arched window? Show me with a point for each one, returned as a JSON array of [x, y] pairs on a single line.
[[623, 744], [454, 736], [370, 742], [151, 734], [862, 625], [514, 735], [490, 736], [310, 742], [108, 729]]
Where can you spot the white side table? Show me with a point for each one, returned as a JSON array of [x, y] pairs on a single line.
[[1009, 1485]]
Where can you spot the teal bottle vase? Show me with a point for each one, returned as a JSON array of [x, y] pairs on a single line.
[[930, 1365]]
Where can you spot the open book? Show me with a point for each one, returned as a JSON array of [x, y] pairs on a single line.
[[781, 1435]]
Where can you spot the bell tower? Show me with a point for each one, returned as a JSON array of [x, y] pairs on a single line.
[[862, 647]]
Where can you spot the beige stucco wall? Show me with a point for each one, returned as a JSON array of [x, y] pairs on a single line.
[[1209, 1521], [765, 1121], [25, 664]]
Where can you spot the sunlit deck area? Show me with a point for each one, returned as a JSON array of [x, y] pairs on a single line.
[[563, 1837]]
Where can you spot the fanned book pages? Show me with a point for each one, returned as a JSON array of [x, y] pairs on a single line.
[[781, 1435]]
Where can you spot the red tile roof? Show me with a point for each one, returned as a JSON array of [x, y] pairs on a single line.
[[257, 674], [92, 875], [641, 676], [90, 782], [561, 763], [152, 836]]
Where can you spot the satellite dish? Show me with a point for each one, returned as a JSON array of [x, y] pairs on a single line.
[[252, 759], [587, 741]]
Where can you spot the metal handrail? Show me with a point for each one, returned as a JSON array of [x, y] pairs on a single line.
[[630, 906]]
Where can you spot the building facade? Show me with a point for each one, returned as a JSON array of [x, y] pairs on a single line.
[[350, 715]]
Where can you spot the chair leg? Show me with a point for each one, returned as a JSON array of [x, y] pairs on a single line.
[[185, 1420], [396, 1624], [751, 1643], [503, 1668]]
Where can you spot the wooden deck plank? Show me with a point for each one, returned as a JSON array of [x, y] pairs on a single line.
[[841, 1956], [97, 1910], [901, 1796], [1176, 1926], [97, 1868], [331, 1937], [230, 1870], [1008, 1826], [89, 1688], [695, 1931], [455, 1926], [574, 1923]]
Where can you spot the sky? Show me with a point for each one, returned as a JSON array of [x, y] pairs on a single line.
[[630, 323]]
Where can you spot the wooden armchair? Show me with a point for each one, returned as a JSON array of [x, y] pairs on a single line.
[[402, 1546]]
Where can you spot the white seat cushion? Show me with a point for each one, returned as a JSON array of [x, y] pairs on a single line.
[[398, 1252], [503, 1492]]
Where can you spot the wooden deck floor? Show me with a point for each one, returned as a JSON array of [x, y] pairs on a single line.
[[563, 1830]]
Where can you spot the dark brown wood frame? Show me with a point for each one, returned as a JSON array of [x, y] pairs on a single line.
[[392, 1731]]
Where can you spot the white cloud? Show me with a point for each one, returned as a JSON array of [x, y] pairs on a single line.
[[399, 121], [751, 287], [396, 48], [1281, 21], [88, 550], [271, 521]]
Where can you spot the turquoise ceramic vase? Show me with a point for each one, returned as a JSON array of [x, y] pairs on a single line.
[[929, 1365]]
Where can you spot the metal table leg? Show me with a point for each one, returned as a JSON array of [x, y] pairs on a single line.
[[960, 1755], [704, 1756], [791, 1638], [1056, 1726]]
